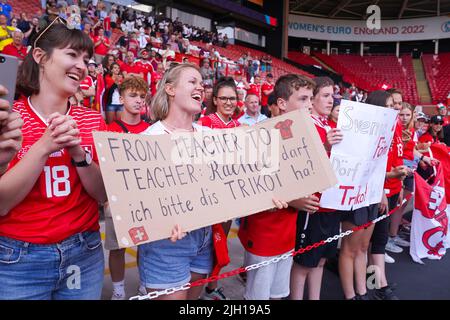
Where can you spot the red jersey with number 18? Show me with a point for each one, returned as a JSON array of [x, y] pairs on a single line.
[[58, 206]]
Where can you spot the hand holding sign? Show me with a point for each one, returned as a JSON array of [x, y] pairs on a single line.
[[334, 136], [177, 233], [309, 204], [192, 180]]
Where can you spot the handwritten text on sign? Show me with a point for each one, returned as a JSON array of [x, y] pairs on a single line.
[[359, 161], [202, 178]]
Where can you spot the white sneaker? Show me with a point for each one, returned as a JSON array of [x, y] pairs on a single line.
[[392, 247], [142, 291], [400, 242], [216, 294], [118, 295], [388, 258]]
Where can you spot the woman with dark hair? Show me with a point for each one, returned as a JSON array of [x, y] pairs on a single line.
[[114, 107], [107, 62], [49, 228], [219, 114], [434, 133]]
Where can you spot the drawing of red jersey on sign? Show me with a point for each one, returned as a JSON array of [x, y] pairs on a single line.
[[285, 128]]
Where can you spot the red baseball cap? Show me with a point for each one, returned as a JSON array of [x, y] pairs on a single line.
[[238, 73]]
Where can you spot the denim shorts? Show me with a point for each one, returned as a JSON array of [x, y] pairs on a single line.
[[412, 164], [114, 108], [69, 270], [164, 264]]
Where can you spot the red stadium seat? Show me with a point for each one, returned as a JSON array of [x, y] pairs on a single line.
[[371, 72], [437, 71]]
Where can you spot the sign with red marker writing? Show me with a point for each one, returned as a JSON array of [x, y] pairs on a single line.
[[210, 176], [359, 161]]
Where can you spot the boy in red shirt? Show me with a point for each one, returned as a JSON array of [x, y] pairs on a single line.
[[133, 91], [271, 233], [266, 90]]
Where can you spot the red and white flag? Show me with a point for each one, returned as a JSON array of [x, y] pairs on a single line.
[[429, 226], [441, 152]]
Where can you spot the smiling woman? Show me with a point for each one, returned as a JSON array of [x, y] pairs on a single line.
[[49, 196], [58, 37]]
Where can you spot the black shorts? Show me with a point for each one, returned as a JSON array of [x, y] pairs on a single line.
[[360, 216], [320, 227], [408, 183]]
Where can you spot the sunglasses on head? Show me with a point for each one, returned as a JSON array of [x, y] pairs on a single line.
[[56, 20]]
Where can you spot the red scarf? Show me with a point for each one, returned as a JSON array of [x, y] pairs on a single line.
[[221, 257]]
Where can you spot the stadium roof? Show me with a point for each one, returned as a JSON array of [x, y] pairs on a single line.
[[356, 9]]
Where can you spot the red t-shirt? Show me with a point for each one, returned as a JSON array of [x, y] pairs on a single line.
[[427, 137], [85, 85], [408, 147], [131, 68], [237, 116], [147, 69], [332, 124], [133, 46], [101, 49], [255, 89], [395, 159], [107, 23], [12, 50], [213, 121], [269, 233], [132, 128], [156, 76], [109, 81], [266, 86], [57, 206]]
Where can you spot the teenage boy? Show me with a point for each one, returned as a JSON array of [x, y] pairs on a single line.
[[271, 233], [133, 91]]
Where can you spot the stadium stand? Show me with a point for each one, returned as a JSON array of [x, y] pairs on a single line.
[[437, 71], [372, 72], [234, 52], [302, 58], [26, 6]]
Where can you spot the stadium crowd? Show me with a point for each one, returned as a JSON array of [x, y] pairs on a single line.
[[89, 66]]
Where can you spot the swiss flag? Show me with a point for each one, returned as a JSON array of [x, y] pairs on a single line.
[[442, 153], [138, 234], [429, 225]]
